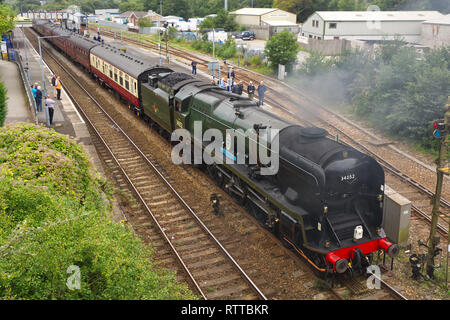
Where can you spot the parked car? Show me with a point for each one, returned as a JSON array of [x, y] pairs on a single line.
[[236, 34], [248, 35]]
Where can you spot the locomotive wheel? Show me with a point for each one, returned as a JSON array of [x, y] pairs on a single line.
[[216, 175]]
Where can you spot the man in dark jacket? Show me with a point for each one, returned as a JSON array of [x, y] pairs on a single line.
[[39, 99], [238, 88], [251, 90], [194, 67], [261, 90]]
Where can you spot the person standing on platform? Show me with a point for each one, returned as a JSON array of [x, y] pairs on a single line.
[[223, 84], [237, 88], [54, 83], [50, 103], [38, 99], [58, 87], [194, 67], [251, 90], [261, 90], [228, 84], [34, 89]]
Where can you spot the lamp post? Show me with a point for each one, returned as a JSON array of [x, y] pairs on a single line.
[[47, 116]]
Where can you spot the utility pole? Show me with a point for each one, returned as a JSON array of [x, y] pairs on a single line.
[[441, 132], [159, 32], [226, 5]]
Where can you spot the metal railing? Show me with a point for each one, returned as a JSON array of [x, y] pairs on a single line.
[[27, 86]]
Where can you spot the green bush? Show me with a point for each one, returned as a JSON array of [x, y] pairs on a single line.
[[45, 228], [3, 103], [197, 44], [207, 46], [395, 89]]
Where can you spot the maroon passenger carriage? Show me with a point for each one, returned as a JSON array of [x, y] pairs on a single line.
[[123, 72]]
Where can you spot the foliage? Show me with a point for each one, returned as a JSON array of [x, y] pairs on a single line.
[[7, 16], [395, 89], [131, 5], [282, 48], [227, 50], [222, 20], [144, 22], [3, 103], [46, 228]]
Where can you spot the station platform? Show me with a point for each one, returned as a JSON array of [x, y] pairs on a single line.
[[18, 110], [66, 118]]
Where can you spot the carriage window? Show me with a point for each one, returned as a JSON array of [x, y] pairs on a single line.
[[110, 73], [135, 86], [121, 80], [115, 75], [127, 85]]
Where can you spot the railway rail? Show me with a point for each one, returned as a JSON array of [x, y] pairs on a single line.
[[121, 150], [191, 242], [283, 100]]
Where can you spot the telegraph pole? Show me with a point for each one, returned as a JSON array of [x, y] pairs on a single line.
[[441, 132]]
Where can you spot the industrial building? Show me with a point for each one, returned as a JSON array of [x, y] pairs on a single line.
[[367, 25], [436, 33], [265, 22]]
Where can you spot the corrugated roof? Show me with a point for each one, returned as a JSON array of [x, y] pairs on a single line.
[[444, 21], [379, 15], [253, 11]]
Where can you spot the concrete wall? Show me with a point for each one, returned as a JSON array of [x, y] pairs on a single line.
[[278, 15], [435, 35], [325, 47], [247, 20], [362, 30], [261, 32]]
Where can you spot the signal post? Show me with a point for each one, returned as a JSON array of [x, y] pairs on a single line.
[[441, 132]]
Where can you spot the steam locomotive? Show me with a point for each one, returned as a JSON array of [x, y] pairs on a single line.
[[325, 201]]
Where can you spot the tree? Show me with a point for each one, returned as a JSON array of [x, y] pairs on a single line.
[[25, 5], [7, 16], [282, 49], [144, 22], [132, 5], [3, 104], [225, 20]]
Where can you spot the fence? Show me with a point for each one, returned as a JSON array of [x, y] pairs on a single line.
[[325, 47], [27, 86], [123, 27]]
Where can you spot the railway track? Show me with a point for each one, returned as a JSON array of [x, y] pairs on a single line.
[[283, 100], [211, 269], [114, 146]]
